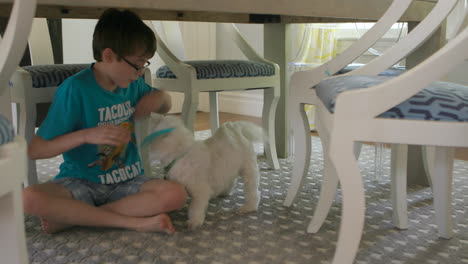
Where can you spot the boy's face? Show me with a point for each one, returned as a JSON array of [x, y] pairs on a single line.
[[127, 69]]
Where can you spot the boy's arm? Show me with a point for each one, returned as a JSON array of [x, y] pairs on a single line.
[[40, 148], [155, 101]]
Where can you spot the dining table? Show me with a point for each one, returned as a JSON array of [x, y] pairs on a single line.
[[277, 16]]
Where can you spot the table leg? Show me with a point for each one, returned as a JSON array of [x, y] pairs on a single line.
[[416, 172], [277, 48]]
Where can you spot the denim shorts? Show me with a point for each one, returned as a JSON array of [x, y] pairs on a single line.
[[98, 194]]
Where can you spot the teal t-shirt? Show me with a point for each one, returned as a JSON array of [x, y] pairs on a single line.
[[81, 103]]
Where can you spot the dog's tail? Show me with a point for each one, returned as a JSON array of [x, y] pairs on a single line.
[[249, 130]]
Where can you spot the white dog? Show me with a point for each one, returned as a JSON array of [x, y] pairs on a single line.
[[207, 168]]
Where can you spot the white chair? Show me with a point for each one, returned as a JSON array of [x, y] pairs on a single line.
[[399, 151], [332, 90], [36, 84], [213, 76], [13, 151], [443, 128], [398, 166], [301, 93]]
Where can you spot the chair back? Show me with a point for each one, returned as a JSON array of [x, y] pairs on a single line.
[[241, 42], [411, 42], [40, 45], [463, 22], [171, 34], [391, 15], [14, 41], [173, 56]]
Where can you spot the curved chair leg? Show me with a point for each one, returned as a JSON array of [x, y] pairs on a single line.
[[327, 196], [329, 184], [398, 182], [353, 211], [214, 112], [189, 109], [270, 101], [441, 177], [302, 151]]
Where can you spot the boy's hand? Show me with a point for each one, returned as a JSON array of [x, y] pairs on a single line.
[[107, 134], [156, 101]]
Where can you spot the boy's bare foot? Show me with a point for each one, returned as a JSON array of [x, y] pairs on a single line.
[[52, 227], [158, 223]]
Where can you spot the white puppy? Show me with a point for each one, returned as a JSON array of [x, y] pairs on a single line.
[[207, 168]]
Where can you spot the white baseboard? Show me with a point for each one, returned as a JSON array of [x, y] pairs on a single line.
[[248, 103], [243, 103]]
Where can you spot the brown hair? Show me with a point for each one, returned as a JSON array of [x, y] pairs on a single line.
[[123, 32]]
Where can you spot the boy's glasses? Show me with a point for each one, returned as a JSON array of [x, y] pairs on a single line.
[[137, 69]]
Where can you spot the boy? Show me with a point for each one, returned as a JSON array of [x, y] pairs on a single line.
[[101, 182]]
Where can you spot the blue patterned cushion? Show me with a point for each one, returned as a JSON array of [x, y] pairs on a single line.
[[6, 130], [439, 101], [394, 71], [215, 69], [328, 89], [52, 75]]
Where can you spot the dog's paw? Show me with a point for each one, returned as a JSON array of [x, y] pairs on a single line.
[[193, 224], [247, 208]]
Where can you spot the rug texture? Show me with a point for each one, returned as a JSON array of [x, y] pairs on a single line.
[[273, 234]]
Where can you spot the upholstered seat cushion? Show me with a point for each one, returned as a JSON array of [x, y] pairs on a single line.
[[53, 74], [439, 101], [6, 130], [215, 69], [394, 71]]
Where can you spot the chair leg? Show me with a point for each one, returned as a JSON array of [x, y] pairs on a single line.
[[214, 112], [13, 238], [441, 172], [353, 210], [270, 101], [329, 184], [189, 109], [428, 156], [302, 152], [27, 126], [398, 175], [15, 117], [357, 149], [141, 130], [327, 195]]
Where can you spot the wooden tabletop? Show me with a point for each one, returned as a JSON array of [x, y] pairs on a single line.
[[240, 11]]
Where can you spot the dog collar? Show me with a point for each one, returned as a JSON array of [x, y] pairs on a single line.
[[171, 164], [169, 167], [155, 135]]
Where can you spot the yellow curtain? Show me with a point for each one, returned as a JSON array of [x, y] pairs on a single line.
[[316, 44]]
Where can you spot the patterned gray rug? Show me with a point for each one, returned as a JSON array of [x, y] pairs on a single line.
[[274, 234]]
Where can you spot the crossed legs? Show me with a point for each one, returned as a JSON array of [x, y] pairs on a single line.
[[143, 211]]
